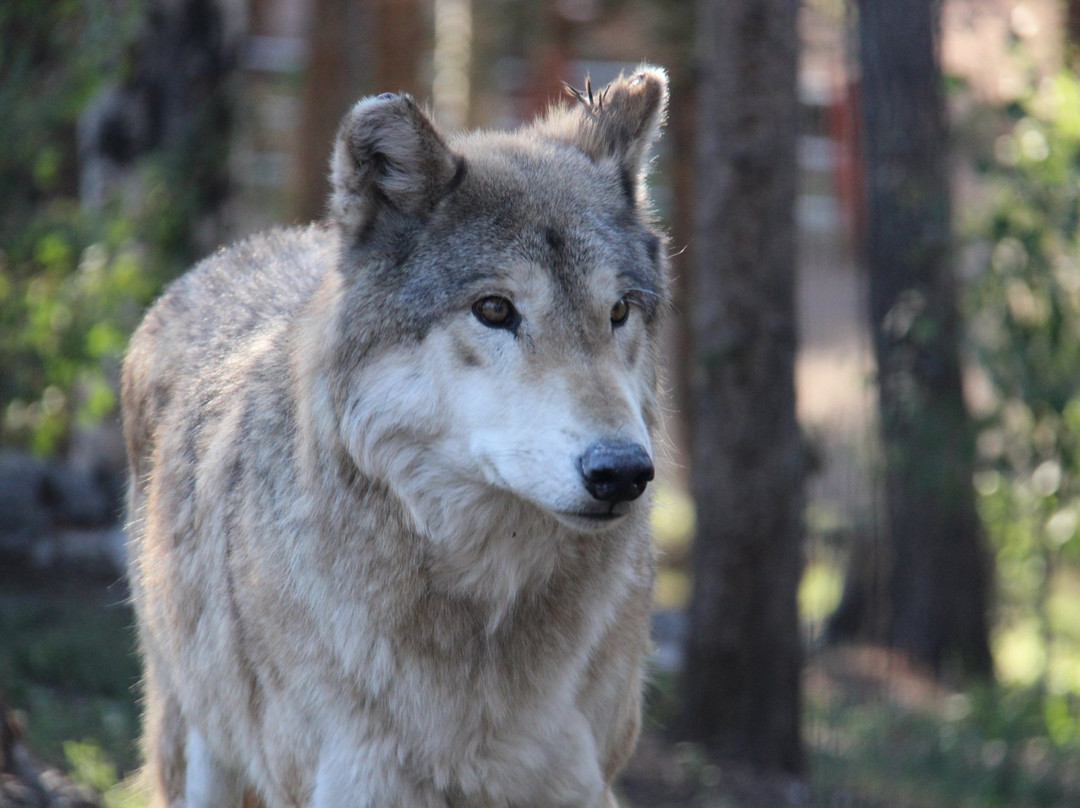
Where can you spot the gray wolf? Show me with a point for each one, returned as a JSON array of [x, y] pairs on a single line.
[[388, 545]]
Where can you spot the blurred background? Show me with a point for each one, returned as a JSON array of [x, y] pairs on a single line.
[[868, 512]]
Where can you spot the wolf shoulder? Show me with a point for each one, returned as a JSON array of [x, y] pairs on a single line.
[[232, 309], [232, 296], [220, 309]]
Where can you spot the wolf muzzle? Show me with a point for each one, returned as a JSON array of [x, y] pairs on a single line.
[[616, 471]]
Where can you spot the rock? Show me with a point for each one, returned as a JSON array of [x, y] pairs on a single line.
[[24, 514], [58, 513], [93, 550], [77, 497]]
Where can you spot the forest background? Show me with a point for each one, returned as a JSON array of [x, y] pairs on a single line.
[[892, 618]]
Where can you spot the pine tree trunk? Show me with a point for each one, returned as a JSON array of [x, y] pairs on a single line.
[[740, 688], [338, 74], [938, 579]]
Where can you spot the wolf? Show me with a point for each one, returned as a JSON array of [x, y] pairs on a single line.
[[389, 544]]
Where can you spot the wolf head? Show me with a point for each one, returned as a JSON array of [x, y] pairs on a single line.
[[501, 295]]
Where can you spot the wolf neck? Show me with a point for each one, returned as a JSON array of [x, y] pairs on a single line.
[[493, 548], [497, 553], [479, 544]]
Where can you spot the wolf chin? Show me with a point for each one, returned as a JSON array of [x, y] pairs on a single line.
[[389, 546]]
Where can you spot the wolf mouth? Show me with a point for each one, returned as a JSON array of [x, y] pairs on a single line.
[[595, 516]]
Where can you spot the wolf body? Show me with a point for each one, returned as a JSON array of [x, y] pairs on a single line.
[[387, 543]]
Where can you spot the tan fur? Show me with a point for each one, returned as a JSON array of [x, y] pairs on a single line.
[[363, 561]]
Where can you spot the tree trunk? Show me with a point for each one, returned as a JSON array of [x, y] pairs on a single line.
[[338, 74], [1072, 33], [175, 101], [740, 687], [402, 38], [938, 579]]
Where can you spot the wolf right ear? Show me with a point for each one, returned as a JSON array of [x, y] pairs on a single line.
[[621, 121], [389, 169]]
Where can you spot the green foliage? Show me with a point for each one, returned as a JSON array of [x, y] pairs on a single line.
[[1029, 299], [54, 54], [70, 293], [72, 283], [994, 747], [89, 764], [67, 659], [1024, 310]]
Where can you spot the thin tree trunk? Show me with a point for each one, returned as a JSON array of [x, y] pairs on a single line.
[[1072, 33], [740, 688], [403, 35], [938, 581], [339, 72], [175, 102]]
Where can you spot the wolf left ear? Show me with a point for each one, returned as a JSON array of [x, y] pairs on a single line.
[[389, 169], [620, 121]]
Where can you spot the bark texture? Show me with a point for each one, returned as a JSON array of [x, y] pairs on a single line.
[[740, 689], [937, 580]]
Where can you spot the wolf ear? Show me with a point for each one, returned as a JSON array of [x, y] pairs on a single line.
[[620, 121], [389, 169]]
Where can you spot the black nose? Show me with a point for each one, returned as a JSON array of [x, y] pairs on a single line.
[[616, 471]]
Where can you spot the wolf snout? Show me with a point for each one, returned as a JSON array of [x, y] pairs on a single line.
[[616, 471]]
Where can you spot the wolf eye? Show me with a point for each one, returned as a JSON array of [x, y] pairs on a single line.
[[496, 312], [619, 312]]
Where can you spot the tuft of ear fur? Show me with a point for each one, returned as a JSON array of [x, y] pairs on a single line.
[[390, 167], [620, 121]]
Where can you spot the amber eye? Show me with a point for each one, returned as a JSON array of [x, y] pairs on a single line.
[[619, 312], [496, 312]]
